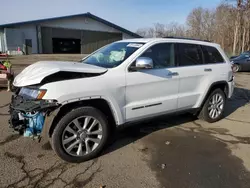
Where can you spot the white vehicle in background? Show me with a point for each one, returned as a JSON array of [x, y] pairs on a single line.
[[76, 104]]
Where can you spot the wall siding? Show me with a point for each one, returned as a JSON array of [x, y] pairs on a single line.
[[46, 40], [1, 40], [126, 36], [93, 40], [81, 23], [16, 37]]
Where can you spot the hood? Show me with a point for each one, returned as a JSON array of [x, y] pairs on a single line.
[[36, 72]]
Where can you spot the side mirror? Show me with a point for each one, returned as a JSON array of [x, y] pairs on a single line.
[[144, 63]]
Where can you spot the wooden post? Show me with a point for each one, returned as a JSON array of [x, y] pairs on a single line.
[[10, 76]]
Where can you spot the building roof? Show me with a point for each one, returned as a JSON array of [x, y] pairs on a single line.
[[88, 15]]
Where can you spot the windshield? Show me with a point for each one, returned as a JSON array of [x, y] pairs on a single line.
[[113, 54]]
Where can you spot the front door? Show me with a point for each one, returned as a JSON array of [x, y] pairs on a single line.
[[151, 92]]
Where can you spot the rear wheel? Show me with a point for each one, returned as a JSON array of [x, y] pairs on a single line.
[[214, 106], [80, 135]]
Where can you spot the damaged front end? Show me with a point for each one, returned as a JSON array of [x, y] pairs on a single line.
[[27, 115]]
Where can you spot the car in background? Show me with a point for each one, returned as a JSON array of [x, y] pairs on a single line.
[[241, 62], [246, 52]]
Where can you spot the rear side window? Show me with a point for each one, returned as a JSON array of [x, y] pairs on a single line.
[[190, 54], [212, 55]]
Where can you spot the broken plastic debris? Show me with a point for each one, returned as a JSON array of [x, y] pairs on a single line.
[[167, 143], [163, 166], [142, 148]]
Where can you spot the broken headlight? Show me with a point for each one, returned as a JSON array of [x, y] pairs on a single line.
[[31, 93]]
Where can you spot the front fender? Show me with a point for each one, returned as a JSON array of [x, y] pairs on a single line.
[[52, 119], [48, 123], [114, 106]]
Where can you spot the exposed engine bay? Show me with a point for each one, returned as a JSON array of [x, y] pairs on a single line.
[[29, 108], [63, 75], [28, 115]]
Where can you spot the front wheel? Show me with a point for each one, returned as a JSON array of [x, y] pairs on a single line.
[[236, 68], [80, 135], [214, 106]]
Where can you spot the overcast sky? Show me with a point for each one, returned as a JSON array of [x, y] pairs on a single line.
[[131, 14]]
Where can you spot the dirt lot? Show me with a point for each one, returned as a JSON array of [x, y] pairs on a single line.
[[176, 151]]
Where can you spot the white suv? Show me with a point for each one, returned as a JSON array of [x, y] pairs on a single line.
[[78, 103]]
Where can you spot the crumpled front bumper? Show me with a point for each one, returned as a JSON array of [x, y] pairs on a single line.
[[20, 107]]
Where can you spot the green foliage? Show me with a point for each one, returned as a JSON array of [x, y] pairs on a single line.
[[7, 64]]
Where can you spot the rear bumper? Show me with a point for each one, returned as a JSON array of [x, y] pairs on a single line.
[[231, 85]]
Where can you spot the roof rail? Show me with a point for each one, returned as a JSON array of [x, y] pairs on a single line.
[[172, 37]]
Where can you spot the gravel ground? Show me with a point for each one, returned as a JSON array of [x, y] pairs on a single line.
[[174, 151]]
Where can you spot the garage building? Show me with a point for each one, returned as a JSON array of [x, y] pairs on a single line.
[[82, 33]]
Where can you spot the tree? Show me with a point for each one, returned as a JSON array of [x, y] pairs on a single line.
[[228, 25], [194, 23]]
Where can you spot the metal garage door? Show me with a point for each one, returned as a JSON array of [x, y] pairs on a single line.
[[92, 40], [89, 40], [54, 34]]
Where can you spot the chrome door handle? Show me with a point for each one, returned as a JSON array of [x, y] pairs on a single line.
[[173, 74], [207, 70]]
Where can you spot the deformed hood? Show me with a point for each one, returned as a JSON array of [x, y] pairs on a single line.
[[36, 72]]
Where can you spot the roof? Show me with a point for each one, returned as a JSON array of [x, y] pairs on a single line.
[[88, 15], [179, 40]]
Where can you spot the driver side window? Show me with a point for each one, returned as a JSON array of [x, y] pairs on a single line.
[[163, 55]]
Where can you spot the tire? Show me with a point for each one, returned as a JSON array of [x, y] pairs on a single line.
[[237, 68], [206, 113], [63, 131]]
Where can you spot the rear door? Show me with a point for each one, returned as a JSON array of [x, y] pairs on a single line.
[[199, 66], [220, 70], [193, 74]]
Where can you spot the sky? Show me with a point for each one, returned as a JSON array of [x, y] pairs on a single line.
[[130, 14]]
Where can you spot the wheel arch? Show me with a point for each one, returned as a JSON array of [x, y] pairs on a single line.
[[223, 85], [100, 103]]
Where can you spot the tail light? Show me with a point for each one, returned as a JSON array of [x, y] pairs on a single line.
[[231, 74]]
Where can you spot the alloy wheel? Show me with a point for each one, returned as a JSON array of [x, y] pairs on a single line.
[[82, 136], [216, 105]]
